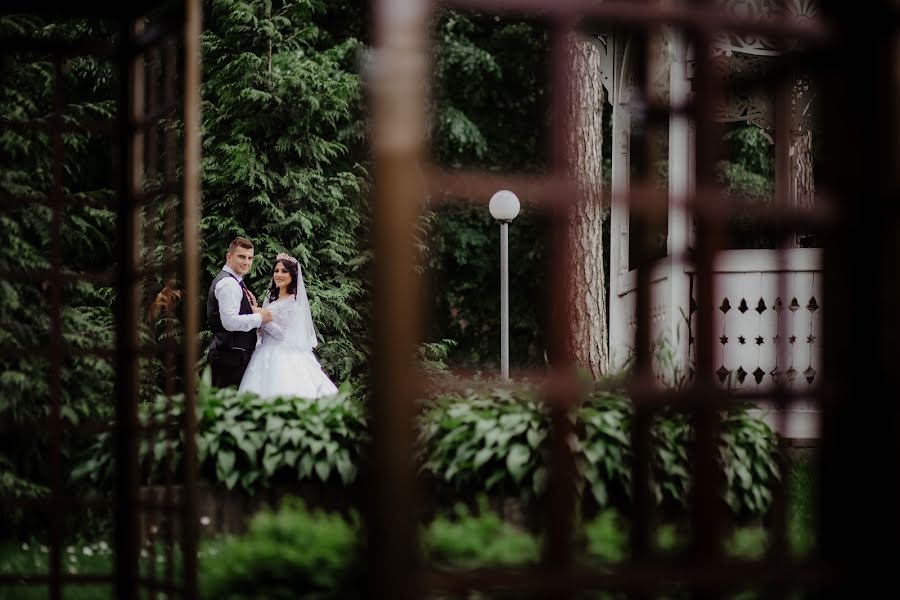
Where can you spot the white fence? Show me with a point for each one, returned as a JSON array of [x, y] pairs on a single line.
[[766, 321]]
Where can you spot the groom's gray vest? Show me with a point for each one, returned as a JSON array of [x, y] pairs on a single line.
[[222, 338]]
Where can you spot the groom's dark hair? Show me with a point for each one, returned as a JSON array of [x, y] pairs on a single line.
[[239, 242]]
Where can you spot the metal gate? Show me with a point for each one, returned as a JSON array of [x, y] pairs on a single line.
[[153, 57], [853, 52]]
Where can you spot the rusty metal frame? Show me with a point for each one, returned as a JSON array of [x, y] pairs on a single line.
[[171, 44], [400, 65]]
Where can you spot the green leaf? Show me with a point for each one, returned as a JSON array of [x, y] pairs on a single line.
[[225, 465], [598, 490], [516, 460], [345, 467], [482, 456], [535, 437], [323, 469], [271, 460], [247, 448], [305, 467]]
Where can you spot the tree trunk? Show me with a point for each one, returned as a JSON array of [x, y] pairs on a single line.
[[802, 181], [587, 282]]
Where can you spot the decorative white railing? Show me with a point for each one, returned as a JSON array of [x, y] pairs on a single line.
[[762, 331], [766, 319]]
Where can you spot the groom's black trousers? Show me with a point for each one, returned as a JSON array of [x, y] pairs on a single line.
[[228, 366]]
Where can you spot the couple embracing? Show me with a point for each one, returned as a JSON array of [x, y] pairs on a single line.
[[266, 349]]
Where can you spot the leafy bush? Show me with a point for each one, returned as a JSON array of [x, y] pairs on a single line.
[[248, 442], [469, 541], [494, 441], [286, 554], [747, 456], [490, 442]]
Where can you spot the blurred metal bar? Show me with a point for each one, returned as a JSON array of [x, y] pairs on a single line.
[[398, 108], [43, 275], [191, 35], [561, 389], [151, 120], [779, 549], [26, 579], [61, 48], [131, 94], [860, 445], [59, 503], [41, 426], [55, 346], [44, 124], [647, 205], [169, 67], [447, 186], [707, 513], [12, 202], [657, 577], [639, 15]]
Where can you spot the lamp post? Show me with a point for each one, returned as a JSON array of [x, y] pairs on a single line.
[[504, 207]]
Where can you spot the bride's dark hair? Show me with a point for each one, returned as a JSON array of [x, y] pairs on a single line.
[[291, 267]]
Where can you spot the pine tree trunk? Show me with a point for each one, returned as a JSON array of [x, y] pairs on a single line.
[[802, 180], [587, 283]]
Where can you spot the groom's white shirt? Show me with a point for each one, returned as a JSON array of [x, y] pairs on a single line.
[[229, 294]]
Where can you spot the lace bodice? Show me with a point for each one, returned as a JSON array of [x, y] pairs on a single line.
[[290, 324], [284, 316]]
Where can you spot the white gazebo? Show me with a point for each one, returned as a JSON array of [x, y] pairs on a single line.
[[763, 332]]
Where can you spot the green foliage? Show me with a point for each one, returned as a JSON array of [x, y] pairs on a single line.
[[489, 91], [487, 442], [13, 486], [748, 177], [746, 453], [605, 537], [283, 160], [86, 245], [749, 147], [464, 274], [79, 558], [432, 356], [295, 550], [466, 541], [489, 112], [285, 554], [247, 442], [801, 481], [494, 441], [602, 448]]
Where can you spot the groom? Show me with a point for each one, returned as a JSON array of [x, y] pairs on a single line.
[[232, 318]]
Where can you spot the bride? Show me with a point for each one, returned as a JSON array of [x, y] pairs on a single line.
[[283, 363]]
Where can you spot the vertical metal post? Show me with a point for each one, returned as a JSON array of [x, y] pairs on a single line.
[[131, 93], [504, 300], [398, 108], [193, 17]]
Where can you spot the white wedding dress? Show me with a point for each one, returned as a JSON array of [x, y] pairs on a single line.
[[283, 363]]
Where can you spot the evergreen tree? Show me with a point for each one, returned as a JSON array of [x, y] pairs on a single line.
[[283, 139], [87, 231]]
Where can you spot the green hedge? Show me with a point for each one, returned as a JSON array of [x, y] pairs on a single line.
[[249, 443], [496, 441], [493, 441]]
